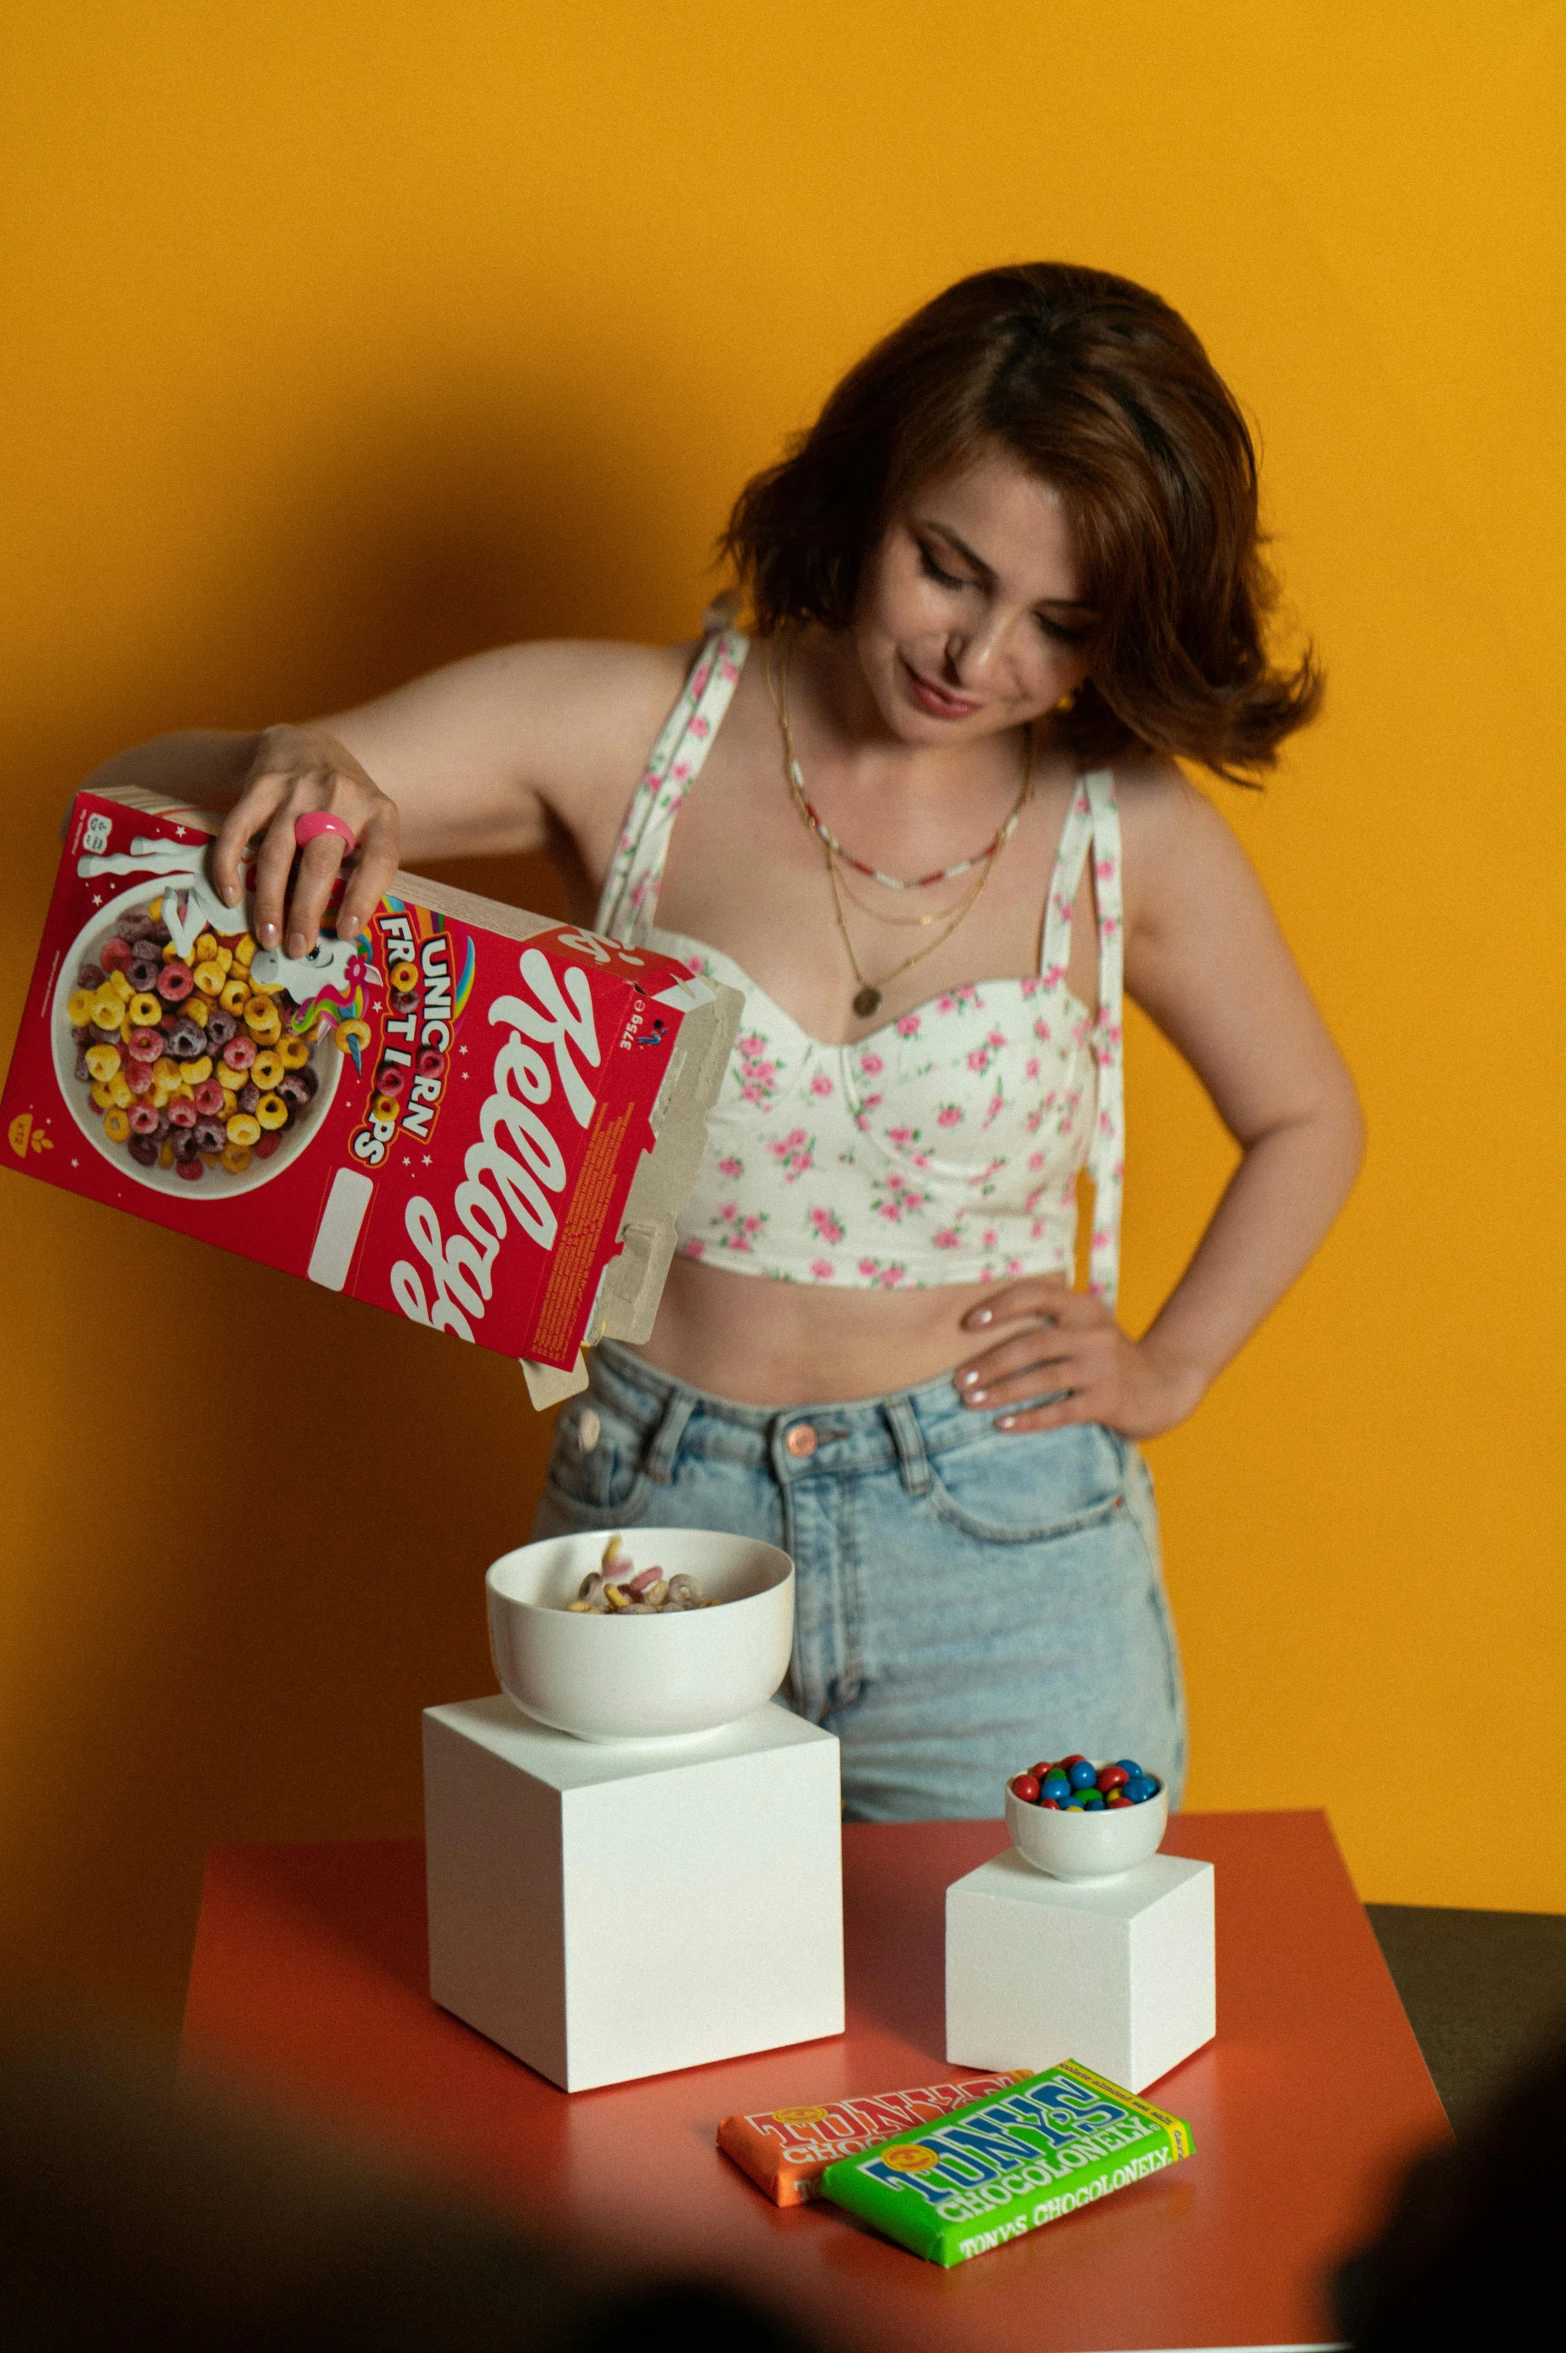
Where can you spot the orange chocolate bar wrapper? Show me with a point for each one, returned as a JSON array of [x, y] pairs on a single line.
[[787, 2150]]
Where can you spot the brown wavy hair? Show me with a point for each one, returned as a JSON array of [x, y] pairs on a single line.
[[1101, 390]]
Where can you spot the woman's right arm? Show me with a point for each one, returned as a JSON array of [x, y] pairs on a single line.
[[472, 760]]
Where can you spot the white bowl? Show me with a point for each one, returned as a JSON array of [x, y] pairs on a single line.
[[325, 1060], [1087, 1846], [656, 1678]]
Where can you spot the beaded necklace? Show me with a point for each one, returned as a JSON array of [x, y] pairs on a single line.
[[869, 996]]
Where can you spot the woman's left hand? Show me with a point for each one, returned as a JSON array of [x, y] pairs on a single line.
[[1070, 1341]]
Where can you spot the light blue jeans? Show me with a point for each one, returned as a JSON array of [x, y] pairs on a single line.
[[967, 1600]]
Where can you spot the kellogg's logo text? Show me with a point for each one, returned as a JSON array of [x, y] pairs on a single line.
[[516, 1169]]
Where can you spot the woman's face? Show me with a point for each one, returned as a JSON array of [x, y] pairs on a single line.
[[970, 617]]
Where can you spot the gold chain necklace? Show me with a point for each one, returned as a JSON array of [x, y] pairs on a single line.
[[870, 994], [879, 914], [777, 687]]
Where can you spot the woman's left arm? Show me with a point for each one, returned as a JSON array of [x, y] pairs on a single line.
[[1206, 961]]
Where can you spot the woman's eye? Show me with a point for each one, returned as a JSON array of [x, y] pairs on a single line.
[[932, 570], [1058, 634]]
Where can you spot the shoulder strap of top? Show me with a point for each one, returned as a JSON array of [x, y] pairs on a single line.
[[1093, 820], [1107, 1154], [628, 904], [1066, 881]]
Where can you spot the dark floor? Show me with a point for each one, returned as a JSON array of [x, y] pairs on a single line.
[[1484, 1991]]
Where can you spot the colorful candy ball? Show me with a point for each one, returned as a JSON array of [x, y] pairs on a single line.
[[1077, 1785]]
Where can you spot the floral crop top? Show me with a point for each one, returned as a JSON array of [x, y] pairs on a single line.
[[943, 1148]]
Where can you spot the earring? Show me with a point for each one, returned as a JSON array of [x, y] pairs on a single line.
[[1067, 702]]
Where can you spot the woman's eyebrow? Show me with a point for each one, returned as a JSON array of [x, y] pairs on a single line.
[[943, 531]]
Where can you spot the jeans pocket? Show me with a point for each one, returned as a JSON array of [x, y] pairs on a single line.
[[1142, 1506], [1031, 1487], [599, 1485]]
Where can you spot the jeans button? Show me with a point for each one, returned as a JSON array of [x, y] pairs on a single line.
[[801, 1440]]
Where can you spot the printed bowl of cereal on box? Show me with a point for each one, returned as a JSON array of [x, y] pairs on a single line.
[[684, 1635], [184, 1052]]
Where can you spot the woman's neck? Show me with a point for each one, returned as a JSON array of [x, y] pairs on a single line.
[[847, 746]]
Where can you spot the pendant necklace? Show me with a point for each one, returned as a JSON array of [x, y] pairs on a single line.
[[870, 994]]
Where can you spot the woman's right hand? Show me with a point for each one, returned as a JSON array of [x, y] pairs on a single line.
[[297, 770]]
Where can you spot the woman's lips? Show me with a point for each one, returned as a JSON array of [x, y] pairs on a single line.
[[936, 700]]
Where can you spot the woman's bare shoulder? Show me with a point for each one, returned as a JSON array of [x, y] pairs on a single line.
[[1168, 824], [612, 673], [594, 710], [564, 705], [557, 724], [1188, 879], [1153, 794]]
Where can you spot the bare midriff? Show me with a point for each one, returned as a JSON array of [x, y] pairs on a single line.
[[768, 1343]]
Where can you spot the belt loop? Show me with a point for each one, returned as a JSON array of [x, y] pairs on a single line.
[[658, 1460], [908, 1438]]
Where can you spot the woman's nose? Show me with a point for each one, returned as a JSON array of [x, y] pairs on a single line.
[[972, 656]]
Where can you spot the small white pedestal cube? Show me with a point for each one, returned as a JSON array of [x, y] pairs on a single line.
[[608, 1912], [1117, 1973]]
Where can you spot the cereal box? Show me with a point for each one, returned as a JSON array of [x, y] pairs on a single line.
[[1009, 2164], [787, 2150], [480, 1119]]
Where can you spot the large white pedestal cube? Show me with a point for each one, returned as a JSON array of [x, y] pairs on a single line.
[[604, 1912], [1117, 1973]]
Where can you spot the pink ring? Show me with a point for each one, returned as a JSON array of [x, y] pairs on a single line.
[[321, 821]]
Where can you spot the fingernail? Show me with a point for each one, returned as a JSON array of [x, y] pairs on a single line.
[[1008, 1421], [966, 1380], [978, 1315], [266, 933], [230, 893], [975, 1397], [296, 943]]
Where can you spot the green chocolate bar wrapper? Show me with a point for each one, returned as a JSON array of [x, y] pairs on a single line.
[[1007, 2164]]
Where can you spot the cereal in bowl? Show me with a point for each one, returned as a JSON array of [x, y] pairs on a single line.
[[618, 1588], [190, 1062]]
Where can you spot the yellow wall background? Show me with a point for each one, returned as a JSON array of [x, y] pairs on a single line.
[[342, 338]]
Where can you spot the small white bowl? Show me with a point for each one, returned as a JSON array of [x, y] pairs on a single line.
[[1087, 1845], [656, 1678]]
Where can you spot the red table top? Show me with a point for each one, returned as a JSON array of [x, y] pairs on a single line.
[[310, 1977]]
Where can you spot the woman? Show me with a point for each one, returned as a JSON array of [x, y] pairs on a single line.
[[927, 818]]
